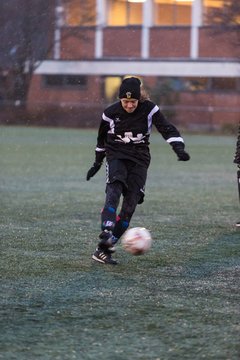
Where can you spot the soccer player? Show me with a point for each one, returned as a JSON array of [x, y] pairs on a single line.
[[123, 137], [237, 158]]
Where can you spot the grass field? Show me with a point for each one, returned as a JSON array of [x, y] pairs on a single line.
[[179, 301]]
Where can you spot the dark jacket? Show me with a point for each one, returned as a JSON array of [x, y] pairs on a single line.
[[124, 135]]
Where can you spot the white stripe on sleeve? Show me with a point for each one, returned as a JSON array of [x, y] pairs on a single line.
[[150, 115], [98, 149], [111, 123], [179, 139]]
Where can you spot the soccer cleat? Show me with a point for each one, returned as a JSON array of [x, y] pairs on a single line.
[[104, 257], [238, 224]]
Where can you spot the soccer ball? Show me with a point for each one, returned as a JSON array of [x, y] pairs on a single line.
[[137, 240]]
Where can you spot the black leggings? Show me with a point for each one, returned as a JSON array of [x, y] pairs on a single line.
[[127, 179], [129, 203]]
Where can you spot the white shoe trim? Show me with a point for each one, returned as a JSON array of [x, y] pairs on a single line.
[[97, 259]]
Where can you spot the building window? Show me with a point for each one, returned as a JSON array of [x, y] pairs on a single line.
[[111, 87], [79, 12], [76, 81], [130, 12], [124, 12], [198, 84], [195, 84], [178, 84], [224, 84], [172, 12]]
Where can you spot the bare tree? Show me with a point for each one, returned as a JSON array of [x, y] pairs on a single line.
[[227, 17], [27, 36], [25, 27]]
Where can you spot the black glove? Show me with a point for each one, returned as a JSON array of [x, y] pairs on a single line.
[[237, 160], [183, 156], [93, 170], [178, 148], [99, 156]]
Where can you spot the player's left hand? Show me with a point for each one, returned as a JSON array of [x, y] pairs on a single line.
[[183, 156], [178, 148]]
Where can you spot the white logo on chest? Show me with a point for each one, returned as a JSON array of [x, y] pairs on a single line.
[[128, 137]]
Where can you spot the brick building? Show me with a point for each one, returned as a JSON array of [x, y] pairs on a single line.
[[190, 65]]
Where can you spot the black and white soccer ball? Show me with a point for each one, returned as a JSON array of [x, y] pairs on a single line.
[[137, 240]]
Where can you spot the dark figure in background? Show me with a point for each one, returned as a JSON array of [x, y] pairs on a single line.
[[123, 137], [237, 161]]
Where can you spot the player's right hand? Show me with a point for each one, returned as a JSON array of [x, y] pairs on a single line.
[[93, 170]]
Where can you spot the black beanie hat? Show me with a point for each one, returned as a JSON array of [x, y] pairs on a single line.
[[130, 88]]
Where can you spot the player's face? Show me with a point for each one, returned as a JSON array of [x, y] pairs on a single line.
[[129, 105]]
